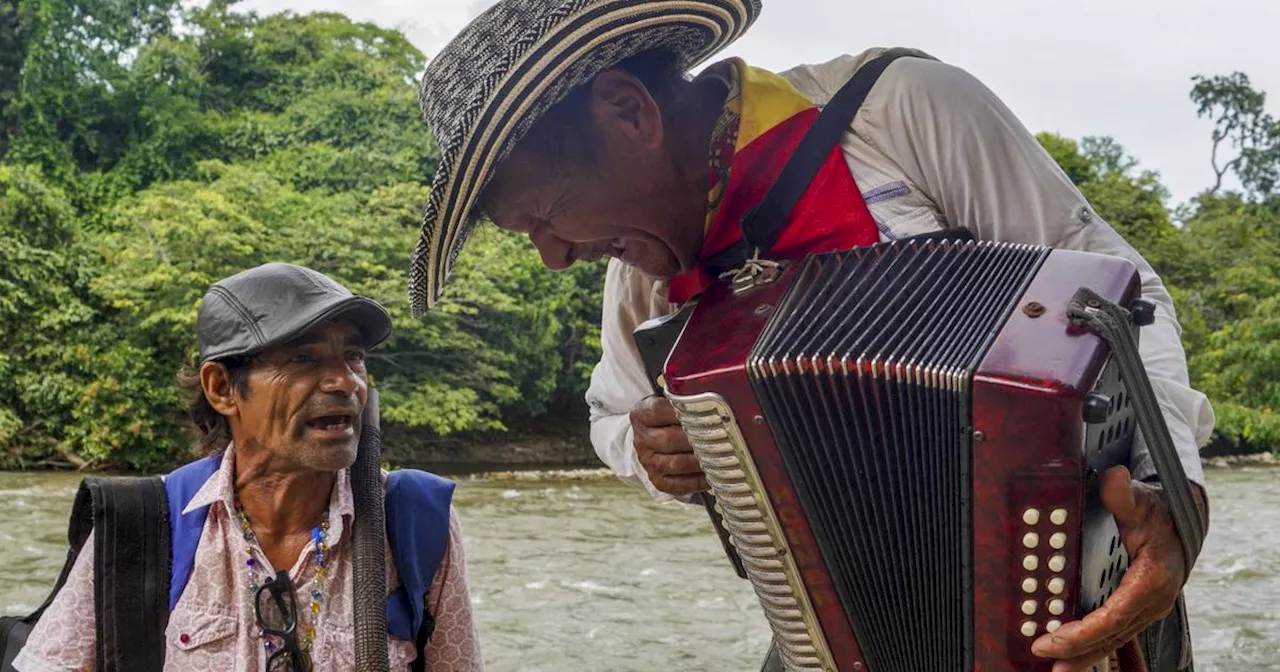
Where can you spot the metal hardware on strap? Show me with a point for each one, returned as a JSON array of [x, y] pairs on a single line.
[[753, 273], [1112, 324]]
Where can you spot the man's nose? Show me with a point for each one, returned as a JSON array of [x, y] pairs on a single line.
[[555, 251], [341, 378]]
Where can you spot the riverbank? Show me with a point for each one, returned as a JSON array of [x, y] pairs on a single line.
[[529, 447], [1251, 460], [558, 448]]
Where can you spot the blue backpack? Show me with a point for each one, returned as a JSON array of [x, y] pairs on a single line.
[[144, 551]]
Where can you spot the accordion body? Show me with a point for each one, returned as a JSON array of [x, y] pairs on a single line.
[[905, 442]]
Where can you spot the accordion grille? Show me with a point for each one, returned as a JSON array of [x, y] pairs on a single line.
[[864, 377]]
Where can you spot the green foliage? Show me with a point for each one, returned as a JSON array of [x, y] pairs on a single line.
[[68, 384], [149, 148], [237, 141], [1240, 119]]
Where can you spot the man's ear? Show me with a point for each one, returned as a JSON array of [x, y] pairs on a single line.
[[621, 104], [215, 380]]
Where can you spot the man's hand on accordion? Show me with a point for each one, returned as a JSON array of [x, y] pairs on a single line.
[[663, 449], [1149, 589]]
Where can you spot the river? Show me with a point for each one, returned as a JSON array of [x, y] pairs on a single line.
[[588, 574]]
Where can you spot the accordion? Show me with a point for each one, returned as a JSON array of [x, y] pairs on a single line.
[[905, 442]]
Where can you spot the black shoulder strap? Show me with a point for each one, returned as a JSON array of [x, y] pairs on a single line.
[[763, 224], [428, 628], [130, 519]]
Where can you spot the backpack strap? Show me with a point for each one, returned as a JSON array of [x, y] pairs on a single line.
[[181, 485], [131, 570], [417, 505]]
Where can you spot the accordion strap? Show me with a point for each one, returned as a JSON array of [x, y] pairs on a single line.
[[762, 225], [1113, 324]]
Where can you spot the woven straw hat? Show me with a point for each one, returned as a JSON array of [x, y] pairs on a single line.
[[504, 70]]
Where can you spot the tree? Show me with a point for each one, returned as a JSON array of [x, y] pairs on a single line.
[[69, 387], [1240, 119], [231, 142]]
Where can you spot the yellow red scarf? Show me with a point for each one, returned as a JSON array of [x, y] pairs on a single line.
[[763, 119]]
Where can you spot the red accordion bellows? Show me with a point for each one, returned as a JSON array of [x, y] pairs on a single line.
[[905, 441]]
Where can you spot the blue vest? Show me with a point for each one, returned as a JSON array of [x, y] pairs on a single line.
[[417, 506]]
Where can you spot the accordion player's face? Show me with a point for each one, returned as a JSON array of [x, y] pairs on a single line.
[[623, 183]]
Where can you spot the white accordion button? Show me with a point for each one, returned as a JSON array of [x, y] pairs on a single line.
[[1056, 586], [1031, 540], [1058, 517], [1058, 540], [1056, 607], [1057, 563], [1029, 607], [1031, 516], [1028, 628], [1028, 585], [1052, 626], [1030, 563]]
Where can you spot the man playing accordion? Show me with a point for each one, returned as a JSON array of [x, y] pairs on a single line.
[[574, 122]]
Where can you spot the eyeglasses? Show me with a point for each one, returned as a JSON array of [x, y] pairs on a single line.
[[276, 611]]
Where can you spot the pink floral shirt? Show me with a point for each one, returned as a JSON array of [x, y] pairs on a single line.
[[212, 627]]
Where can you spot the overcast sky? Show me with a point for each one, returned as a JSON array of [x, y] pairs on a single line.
[[1076, 67]]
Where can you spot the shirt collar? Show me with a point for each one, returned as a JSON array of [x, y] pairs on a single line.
[[220, 490]]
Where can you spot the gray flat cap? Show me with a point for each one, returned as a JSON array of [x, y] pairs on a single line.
[[270, 305]]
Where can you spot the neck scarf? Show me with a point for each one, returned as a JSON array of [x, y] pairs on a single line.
[[763, 119]]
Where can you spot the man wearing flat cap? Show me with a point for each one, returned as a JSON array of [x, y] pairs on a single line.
[[262, 552], [576, 123]]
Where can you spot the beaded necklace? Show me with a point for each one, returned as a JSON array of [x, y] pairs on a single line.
[[320, 537]]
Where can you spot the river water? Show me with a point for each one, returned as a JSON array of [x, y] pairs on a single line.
[[588, 574]]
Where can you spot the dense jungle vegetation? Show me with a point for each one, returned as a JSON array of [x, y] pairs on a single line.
[[148, 149]]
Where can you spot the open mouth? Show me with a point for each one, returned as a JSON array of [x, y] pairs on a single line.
[[337, 425]]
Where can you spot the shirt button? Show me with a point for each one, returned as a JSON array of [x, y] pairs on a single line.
[[184, 638]]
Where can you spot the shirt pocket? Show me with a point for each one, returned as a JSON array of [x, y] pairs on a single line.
[[914, 221], [900, 210], [202, 641]]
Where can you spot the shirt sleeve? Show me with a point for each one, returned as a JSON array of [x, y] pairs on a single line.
[[63, 639], [618, 381], [454, 645], [985, 171]]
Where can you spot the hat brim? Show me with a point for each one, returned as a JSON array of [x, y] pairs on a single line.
[[366, 315], [536, 73]]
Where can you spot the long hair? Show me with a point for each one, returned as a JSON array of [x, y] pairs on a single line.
[[211, 428]]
